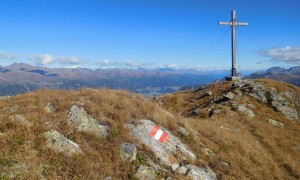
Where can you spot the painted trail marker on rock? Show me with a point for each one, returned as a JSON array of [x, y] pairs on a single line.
[[158, 134]]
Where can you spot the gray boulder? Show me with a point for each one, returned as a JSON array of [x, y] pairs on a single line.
[[83, 122], [58, 142], [169, 153], [246, 111], [276, 123], [128, 152], [145, 173]]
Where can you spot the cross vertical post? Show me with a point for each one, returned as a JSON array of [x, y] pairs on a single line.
[[233, 23]]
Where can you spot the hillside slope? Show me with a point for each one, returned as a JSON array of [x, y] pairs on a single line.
[[92, 134], [241, 130], [250, 128]]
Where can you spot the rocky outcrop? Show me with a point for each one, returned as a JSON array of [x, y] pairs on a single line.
[[170, 153], [60, 143], [83, 122], [280, 104], [272, 97]]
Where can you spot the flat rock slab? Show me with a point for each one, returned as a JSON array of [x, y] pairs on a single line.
[[169, 153], [60, 143], [84, 122]]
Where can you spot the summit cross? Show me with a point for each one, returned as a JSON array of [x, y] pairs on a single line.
[[233, 23]]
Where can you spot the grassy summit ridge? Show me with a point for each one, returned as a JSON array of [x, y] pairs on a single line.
[[231, 142]]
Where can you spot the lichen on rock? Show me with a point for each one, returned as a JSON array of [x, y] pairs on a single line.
[[60, 143], [84, 122]]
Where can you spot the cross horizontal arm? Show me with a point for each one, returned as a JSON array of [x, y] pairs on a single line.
[[242, 24], [224, 23]]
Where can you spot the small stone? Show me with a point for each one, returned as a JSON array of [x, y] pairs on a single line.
[[183, 131], [224, 163], [247, 111], [182, 170], [276, 123], [208, 93], [296, 148], [208, 152], [251, 106], [128, 152], [145, 173], [50, 108], [107, 178], [175, 166], [216, 111], [229, 96]]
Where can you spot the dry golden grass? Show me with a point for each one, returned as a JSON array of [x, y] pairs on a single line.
[[252, 147], [23, 149]]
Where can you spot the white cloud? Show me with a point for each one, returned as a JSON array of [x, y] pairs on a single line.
[[70, 60], [10, 56], [173, 66], [106, 62], [290, 55], [44, 59], [128, 64], [47, 59]]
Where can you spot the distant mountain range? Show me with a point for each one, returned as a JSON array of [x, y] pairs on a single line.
[[20, 78], [291, 75]]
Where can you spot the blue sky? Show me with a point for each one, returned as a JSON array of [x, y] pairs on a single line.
[[152, 33]]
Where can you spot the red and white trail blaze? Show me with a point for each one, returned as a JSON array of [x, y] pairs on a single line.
[[158, 134]]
